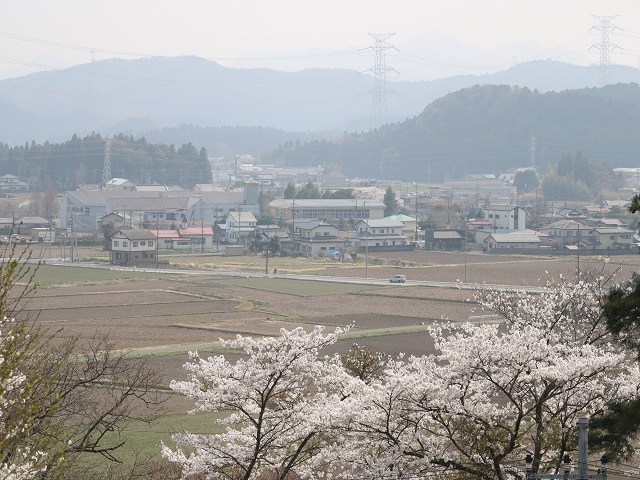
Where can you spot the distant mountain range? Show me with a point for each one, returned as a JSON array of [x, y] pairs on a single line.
[[189, 99]]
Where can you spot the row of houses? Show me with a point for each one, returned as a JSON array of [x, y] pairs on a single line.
[[316, 238]]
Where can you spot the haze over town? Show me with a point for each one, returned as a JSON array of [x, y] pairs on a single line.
[[431, 39]]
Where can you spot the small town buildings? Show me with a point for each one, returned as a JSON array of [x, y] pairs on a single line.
[[133, 248], [331, 210], [480, 187], [317, 239], [22, 226], [154, 209]]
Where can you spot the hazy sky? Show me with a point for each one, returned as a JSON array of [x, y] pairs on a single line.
[[431, 38]]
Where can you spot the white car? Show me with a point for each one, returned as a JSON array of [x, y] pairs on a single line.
[[398, 279]]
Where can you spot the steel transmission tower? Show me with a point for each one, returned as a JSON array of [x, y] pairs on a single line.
[[106, 170], [532, 154], [605, 46], [379, 110]]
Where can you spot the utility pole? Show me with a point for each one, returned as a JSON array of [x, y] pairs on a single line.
[[416, 234], [583, 461], [235, 177], [605, 46], [366, 247], [380, 69], [266, 265], [578, 244], [466, 221]]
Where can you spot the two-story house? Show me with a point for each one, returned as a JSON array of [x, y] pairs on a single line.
[[133, 248], [566, 232], [379, 235], [240, 226], [317, 239], [608, 238], [506, 217], [11, 183]]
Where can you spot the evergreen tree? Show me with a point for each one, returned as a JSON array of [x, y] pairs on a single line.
[[290, 191], [526, 180], [390, 202]]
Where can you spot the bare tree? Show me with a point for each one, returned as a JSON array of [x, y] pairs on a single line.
[[78, 397]]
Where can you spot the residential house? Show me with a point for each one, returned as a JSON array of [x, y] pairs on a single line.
[[444, 239], [598, 211], [27, 224], [317, 239], [565, 232], [512, 241], [610, 222], [134, 248], [379, 235], [267, 232], [269, 184], [506, 217], [119, 184], [409, 225], [11, 183], [118, 220], [478, 229], [240, 226], [200, 238], [608, 238], [22, 226], [171, 240], [159, 188], [555, 215]]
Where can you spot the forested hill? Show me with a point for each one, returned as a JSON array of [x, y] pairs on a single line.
[[487, 129], [81, 160]]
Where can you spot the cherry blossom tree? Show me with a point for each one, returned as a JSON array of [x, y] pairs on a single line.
[[17, 462], [279, 399], [491, 394], [494, 392]]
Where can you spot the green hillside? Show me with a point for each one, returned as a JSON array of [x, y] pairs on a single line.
[[487, 129]]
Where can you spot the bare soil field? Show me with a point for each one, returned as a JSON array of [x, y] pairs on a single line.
[[162, 316]]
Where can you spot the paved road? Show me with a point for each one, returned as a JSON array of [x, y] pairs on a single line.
[[315, 278]]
